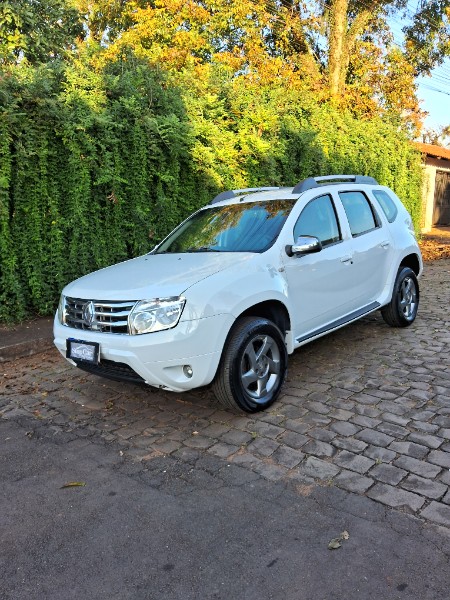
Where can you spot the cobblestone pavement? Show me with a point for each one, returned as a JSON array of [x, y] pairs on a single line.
[[366, 409]]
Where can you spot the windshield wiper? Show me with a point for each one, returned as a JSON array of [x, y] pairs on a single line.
[[188, 250], [202, 249]]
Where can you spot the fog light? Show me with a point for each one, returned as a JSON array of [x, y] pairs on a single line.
[[187, 370]]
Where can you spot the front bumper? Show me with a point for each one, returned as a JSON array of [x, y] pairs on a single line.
[[158, 358]]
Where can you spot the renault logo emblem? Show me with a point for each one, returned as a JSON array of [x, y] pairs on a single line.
[[89, 313]]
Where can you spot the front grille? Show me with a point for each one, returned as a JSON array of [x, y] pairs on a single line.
[[97, 315], [111, 370]]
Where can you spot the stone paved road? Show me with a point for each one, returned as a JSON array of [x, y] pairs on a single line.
[[366, 409]]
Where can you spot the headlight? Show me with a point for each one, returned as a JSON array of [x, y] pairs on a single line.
[[148, 316], [62, 310]]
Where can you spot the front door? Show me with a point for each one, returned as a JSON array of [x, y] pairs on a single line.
[[320, 285]]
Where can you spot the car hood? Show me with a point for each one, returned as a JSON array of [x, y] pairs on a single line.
[[153, 276]]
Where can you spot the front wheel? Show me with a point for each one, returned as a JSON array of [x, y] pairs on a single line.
[[253, 365], [402, 309]]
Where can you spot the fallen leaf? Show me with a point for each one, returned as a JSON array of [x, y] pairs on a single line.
[[334, 544], [71, 484], [434, 246]]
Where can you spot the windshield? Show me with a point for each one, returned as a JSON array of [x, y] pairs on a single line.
[[247, 227]]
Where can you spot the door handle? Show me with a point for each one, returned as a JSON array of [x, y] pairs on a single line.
[[385, 244], [347, 259]]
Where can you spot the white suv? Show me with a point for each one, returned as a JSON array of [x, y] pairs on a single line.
[[241, 284]]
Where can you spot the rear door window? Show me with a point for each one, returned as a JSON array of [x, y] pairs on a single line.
[[360, 213]]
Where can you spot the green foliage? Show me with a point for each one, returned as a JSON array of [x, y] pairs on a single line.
[[37, 30], [94, 168], [428, 37], [10, 289], [99, 164], [269, 135]]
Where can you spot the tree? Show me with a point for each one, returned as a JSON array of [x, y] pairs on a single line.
[[37, 30], [437, 137], [428, 37]]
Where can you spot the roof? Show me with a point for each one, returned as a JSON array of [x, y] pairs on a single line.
[[302, 186], [432, 150]]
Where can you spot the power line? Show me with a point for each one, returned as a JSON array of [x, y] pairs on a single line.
[[433, 88]]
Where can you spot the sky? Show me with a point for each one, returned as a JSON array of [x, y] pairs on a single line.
[[434, 91]]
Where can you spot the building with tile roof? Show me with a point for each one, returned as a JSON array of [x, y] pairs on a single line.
[[436, 193]]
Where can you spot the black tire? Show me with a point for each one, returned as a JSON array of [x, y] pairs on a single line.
[[253, 365], [402, 309]]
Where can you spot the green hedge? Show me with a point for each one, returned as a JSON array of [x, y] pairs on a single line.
[[97, 166]]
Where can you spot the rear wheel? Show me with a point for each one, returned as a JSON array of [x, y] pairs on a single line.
[[253, 365], [402, 309]]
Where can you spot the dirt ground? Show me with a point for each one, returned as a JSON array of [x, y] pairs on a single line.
[[435, 244]]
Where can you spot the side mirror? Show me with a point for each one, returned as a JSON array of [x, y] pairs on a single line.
[[305, 244]]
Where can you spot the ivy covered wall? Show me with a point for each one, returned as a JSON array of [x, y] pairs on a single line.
[[97, 165]]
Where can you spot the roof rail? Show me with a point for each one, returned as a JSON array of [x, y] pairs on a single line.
[[313, 182], [233, 193]]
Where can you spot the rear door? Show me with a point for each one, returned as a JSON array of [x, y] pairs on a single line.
[[372, 246]]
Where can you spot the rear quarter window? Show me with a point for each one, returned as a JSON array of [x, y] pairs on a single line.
[[387, 204]]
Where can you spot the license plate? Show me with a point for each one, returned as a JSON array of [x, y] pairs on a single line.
[[86, 351]]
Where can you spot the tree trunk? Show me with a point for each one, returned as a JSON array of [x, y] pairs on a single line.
[[336, 45]]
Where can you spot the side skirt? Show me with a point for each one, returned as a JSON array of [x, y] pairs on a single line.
[[354, 316]]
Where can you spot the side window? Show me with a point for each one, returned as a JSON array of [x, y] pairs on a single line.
[[360, 213], [318, 218], [387, 204]]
